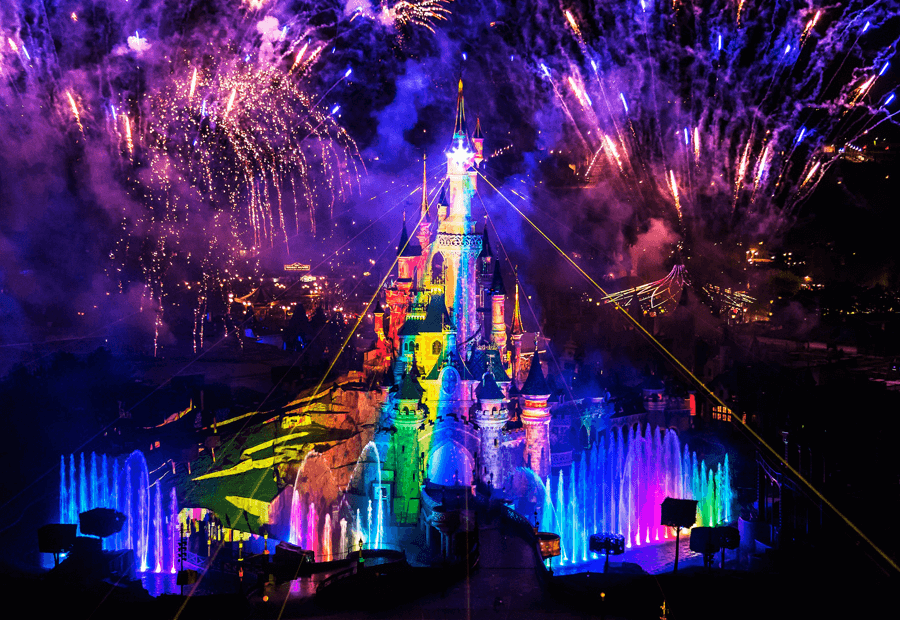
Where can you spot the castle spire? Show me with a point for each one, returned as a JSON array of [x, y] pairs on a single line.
[[404, 238], [478, 142], [459, 128], [424, 233], [517, 329], [424, 188]]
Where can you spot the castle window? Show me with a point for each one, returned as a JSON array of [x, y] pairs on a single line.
[[436, 347], [437, 269]]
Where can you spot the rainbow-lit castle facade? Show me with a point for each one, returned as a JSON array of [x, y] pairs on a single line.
[[454, 416], [468, 403], [450, 358]]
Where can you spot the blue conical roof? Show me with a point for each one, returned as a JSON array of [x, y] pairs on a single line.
[[536, 383]]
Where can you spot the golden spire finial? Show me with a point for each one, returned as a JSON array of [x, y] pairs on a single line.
[[459, 128], [517, 328], [424, 186]]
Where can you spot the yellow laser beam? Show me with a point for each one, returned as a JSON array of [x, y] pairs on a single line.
[[734, 418]]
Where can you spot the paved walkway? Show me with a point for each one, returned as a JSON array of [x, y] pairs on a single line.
[[505, 585]]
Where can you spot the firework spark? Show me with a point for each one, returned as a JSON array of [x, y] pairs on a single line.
[[748, 124], [422, 13], [223, 152], [75, 112]]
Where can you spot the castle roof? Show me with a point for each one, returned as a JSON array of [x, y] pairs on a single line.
[[406, 247], [488, 390], [488, 360], [436, 316], [485, 245], [517, 329], [424, 212], [478, 135], [459, 127], [513, 389], [450, 358], [536, 383], [497, 286], [410, 388]]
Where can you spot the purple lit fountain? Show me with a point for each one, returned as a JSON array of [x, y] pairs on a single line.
[[326, 518], [619, 484]]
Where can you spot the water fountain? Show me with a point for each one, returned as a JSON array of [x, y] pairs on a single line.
[[619, 484], [321, 513], [126, 488], [373, 534]]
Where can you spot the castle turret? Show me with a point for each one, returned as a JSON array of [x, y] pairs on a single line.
[[490, 416], [378, 323], [408, 255], [408, 418], [497, 292], [485, 258], [424, 231], [516, 331], [399, 296], [457, 242], [478, 143], [485, 274], [443, 207], [536, 417]]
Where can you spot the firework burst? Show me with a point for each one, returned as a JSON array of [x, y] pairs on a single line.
[[422, 13], [717, 113], [224, 149]]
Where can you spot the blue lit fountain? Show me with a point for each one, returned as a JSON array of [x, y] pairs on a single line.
[[107, 483], [619, 484]]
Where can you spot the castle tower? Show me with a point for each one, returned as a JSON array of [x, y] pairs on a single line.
[[485, 258], [497, 292], [490, 416], [408, 253], [536, 418], [485, 274], [399, 296], [424, 232], [378, 323], [478, 143], [408, 418], [457, 242], [516, 331]]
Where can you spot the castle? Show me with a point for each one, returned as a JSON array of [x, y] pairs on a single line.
[[454, 416]]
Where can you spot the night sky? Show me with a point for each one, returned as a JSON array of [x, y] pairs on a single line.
[[153, 150]]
